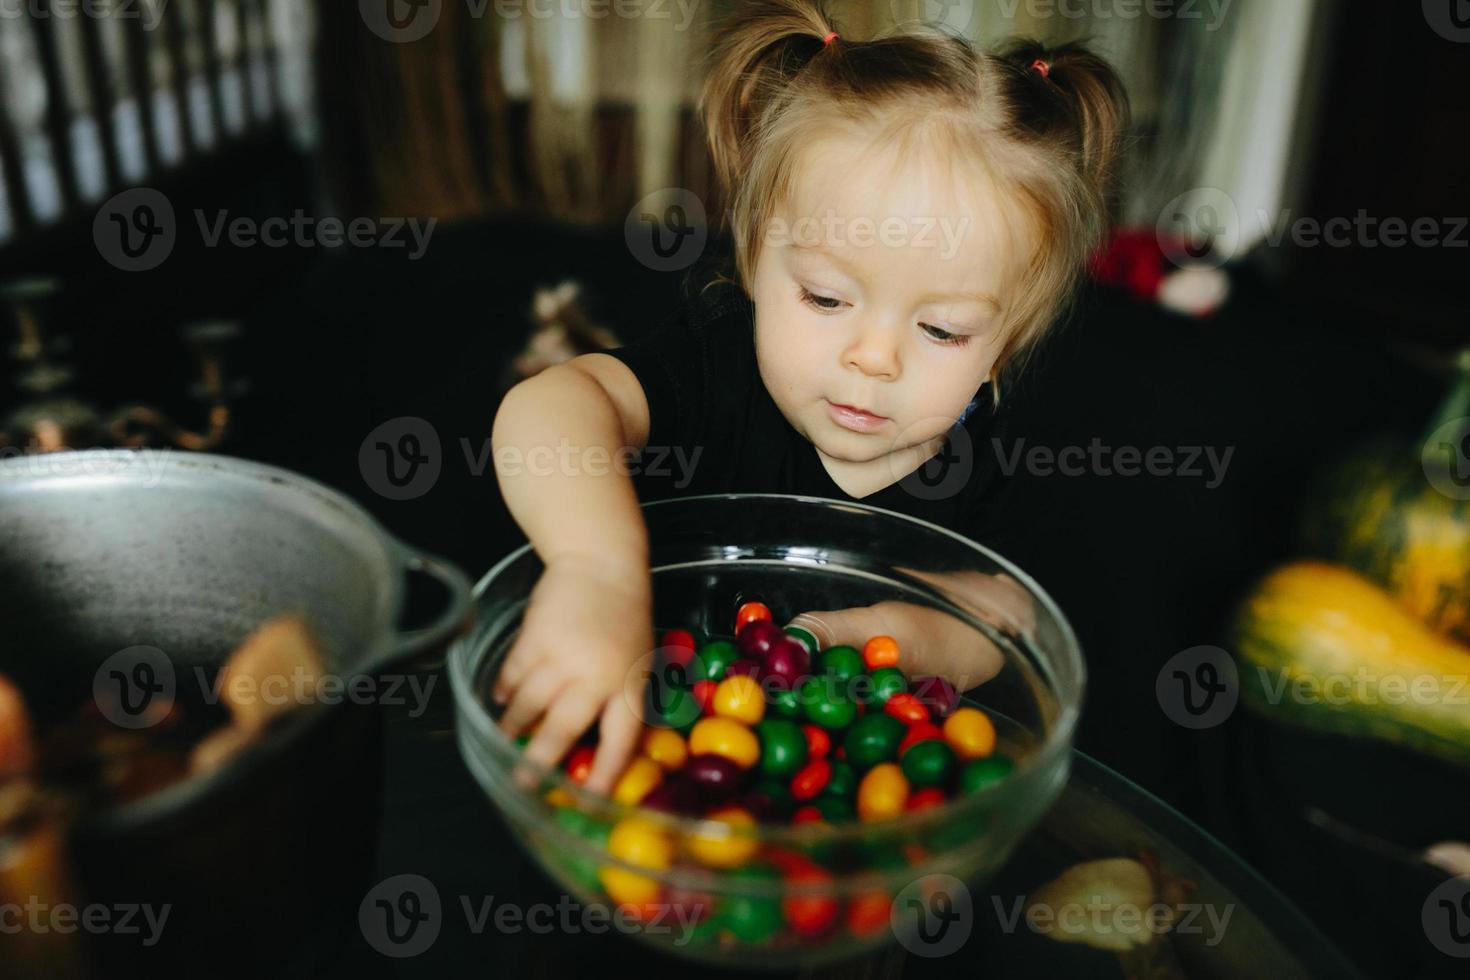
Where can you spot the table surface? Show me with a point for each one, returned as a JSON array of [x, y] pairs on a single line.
[[437, 823]]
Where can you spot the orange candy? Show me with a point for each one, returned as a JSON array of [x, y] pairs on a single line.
[[868, 912], [970, 733], [880, 651], [749, 613]]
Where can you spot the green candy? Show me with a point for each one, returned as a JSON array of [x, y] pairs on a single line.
[[785, 704], [779, 793], [804, 637], [712, 660], [928, 763], [783, 747], [521, 741], [824, 706], [843, 783], [843, 662], [887, 681], [575, 822], [873, 739], [982, 772], [835, 809], [671, 707], [752, 918]]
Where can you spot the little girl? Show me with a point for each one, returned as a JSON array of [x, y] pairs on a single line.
[[908, 217]]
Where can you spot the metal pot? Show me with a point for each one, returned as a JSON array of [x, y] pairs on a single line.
[[103, 552]]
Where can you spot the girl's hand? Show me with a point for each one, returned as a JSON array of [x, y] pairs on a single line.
[[931, 641], [587, 625]]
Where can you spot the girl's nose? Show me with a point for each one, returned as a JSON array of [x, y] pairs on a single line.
[[874, 352]]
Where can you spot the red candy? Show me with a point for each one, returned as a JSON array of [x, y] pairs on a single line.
[[704, 693], [751, 612], [922, 732], [678, 647], [807, 814], [808, 913], [811, 780], [818, 742], [906, 708], [579, 763], [925, 798]]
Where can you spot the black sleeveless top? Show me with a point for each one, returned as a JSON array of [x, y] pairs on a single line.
[[714, 428]]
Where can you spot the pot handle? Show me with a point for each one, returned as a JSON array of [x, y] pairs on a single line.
[[412, 641]]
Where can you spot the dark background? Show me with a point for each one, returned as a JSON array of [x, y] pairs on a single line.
[[1314, 352]]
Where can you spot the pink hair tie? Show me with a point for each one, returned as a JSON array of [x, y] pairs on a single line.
[[831, 36], [1041, 66]]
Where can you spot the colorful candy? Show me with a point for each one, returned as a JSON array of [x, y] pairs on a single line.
[[970, 733], [783, 748], [879, 652], [775, 729], [740, 698], [729, 847], [883, 793]]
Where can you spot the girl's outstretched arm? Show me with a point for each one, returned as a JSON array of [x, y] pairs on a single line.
[[560, 443]]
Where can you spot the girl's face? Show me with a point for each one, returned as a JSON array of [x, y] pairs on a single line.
[[879, 295]]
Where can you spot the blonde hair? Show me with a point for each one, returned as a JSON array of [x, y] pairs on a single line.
[[1047, 136]]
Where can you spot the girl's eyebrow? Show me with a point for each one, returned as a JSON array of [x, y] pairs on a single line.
[[817, 248]]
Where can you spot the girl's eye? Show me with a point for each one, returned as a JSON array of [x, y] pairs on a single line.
[[945, 337], [811, 299]]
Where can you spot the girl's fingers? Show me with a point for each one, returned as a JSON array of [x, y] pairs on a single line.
[[529, 703], [559, 731], [847, 627], [618, 737], [513, 672]]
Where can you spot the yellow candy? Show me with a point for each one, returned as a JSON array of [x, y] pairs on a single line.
[[970, 733], [725, 737], [638, 842], [729, 849], [641, 776], [740, 697], [882, 793], [665, 746], [557, 796]]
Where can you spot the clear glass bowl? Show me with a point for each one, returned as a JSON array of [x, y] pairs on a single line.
[[1009, 650]]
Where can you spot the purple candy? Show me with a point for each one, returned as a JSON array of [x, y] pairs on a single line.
[[744, 665], [717, 778], [676, 794], [757, 639], [938, 694], [786, 664]]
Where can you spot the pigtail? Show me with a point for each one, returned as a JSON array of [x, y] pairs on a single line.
[[1069, 92], [753, 54]]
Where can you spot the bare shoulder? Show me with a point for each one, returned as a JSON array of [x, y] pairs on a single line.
[[622, 386]]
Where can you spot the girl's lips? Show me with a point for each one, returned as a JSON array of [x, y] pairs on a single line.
[[855, 419]]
